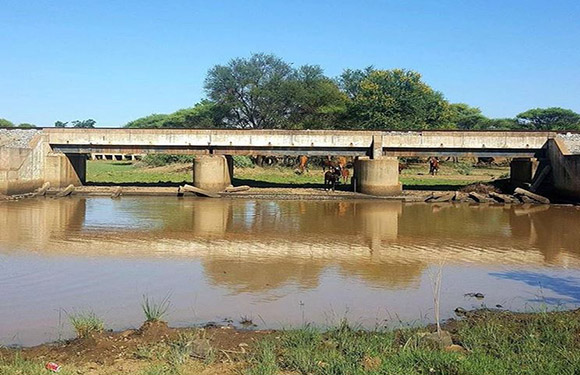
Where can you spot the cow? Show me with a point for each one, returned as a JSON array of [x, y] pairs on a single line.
[[302, 164], [331, 177], [433, 165]]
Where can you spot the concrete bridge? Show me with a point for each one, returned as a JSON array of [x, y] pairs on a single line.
[[58, 155]]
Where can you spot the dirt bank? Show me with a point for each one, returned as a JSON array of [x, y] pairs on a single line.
[[475, 343]]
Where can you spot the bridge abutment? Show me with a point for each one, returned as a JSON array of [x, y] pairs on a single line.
[[212, 172], [62, 170], [523, 171], [377, 176]]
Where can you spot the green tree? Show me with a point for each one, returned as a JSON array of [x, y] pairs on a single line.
[[204, 114], [554, 118], [5, 123], [60, 124], [398, 99], [466, 117], [90, 123], [254, 91], [26, 125], [318, 102], [152, 121], [349, 81]]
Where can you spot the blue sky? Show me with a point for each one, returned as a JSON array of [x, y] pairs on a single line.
[[115, 61]]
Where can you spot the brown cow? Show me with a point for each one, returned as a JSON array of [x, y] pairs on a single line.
[[302, 166], [433, 165]]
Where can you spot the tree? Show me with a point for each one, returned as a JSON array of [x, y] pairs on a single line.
[[253, 91], [90, 123], [318, 102], [26, 125], [204, 114], [60, 124], [398, 99], [349, 81], [554, 118], [5, 123], [151, 121], [465, 117]]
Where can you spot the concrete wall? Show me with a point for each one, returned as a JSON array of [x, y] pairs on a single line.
[[21, 168], [377, 176], [565, 169]]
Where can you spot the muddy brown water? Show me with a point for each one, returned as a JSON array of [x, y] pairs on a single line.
[[278, 263]]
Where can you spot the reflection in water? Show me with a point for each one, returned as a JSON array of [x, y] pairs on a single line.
[[264, 256]]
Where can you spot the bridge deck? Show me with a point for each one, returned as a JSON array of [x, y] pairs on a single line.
[[289, 142]]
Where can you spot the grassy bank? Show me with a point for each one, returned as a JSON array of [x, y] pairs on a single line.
[[450, 175], [484, 342]]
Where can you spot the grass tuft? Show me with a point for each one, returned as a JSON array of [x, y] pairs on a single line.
[[154, 312], [86, 323]]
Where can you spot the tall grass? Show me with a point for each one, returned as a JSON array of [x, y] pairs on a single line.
[[86, 323], [155, 311]]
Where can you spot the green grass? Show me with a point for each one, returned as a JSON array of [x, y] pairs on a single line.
[[19, 366], [498, 343], [86, 323], [450, 175], [127, 172], [155, 311]]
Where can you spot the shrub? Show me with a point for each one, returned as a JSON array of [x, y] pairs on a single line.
[[159, 160], [241, 161]]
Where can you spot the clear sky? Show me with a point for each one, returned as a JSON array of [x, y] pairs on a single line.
[[115, 61]]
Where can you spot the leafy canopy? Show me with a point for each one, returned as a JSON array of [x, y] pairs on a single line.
[[553, 118], [398, 99]]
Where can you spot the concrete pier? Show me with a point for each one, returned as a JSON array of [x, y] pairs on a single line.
[[62, 170], [523, 171], [212, 172], [377, 176]]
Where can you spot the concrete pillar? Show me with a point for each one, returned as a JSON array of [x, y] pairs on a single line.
[[211, 172], [523, 171], [377, 176], [62, 170]]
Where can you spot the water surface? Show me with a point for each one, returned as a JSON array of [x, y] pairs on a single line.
[[281, 263]]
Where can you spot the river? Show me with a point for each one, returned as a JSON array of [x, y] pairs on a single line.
[[281, 263]]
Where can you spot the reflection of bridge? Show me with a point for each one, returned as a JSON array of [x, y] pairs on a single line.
[[268, 242], [60, 154]]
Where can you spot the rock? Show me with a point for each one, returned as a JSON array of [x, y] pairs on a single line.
[[453, 348], [41, 192], [66, 192], [192, 189], [460, 311], [475, 295], [201, 348], [478, 197], [529, 194], [371, 363], [117, 193], [434, 340]]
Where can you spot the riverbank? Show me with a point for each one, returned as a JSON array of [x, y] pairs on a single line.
[[480, 342]]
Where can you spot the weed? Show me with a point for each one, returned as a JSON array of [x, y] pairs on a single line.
[[154, 311], [86, 323]]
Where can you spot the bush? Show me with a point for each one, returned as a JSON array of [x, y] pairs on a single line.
[[159, 160], [154, 311], [241, 161]]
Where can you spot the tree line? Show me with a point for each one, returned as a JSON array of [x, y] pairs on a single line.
[[266, 92]]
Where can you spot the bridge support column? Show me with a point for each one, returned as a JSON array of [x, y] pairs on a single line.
[[377, 176], [62, 170], [523, 171], [212, 172]]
